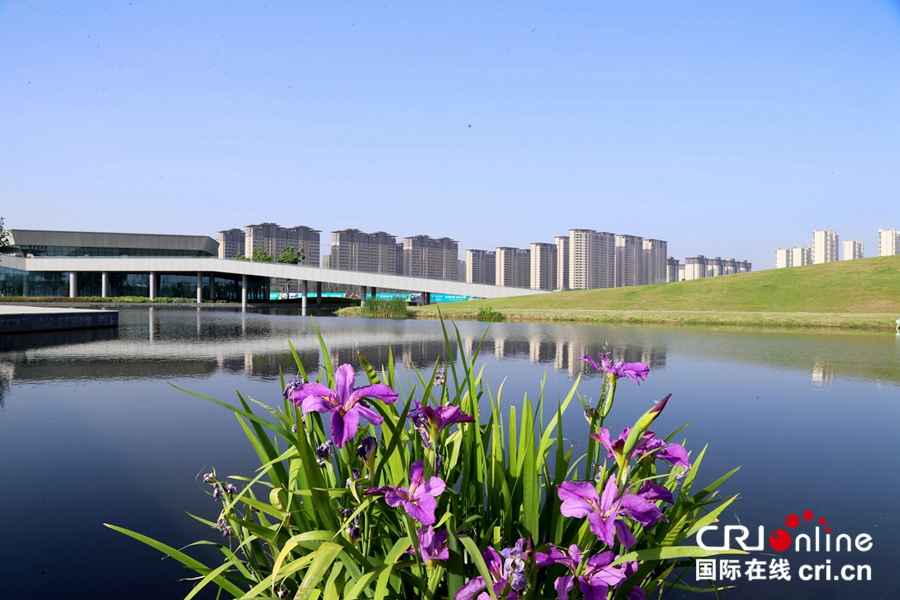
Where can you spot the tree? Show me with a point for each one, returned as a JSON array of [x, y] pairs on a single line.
[[260, 255], [291, 255], [4, 236]]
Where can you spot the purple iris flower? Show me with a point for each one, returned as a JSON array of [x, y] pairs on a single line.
[[366, 447], [674, 454], [652, 491], [420, 499], [595, 579], [580, 499], [507, 571], [633, 371], [292, 385], [433, 544], [345, 403], [431, 421]]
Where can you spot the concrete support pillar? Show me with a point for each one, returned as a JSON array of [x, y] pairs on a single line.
[[73, 285], [244, 293], [304, 291], [427, 298], [362, 296], [104, 284], [153, 281], [374, 293], [212, 286], [199, 287], [319, 293]]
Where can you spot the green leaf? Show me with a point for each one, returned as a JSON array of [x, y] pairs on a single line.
[[668, 552], [324, 557], [181, 557]]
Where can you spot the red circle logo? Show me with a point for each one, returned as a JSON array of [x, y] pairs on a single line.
[[780, 540]]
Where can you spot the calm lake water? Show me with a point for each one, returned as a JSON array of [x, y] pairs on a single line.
[[92, 431]]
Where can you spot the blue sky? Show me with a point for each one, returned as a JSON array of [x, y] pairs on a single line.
[[726, 128]]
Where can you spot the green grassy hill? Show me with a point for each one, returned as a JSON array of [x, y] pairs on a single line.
[[863, 290]]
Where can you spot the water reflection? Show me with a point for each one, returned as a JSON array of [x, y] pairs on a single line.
[[156, 342]]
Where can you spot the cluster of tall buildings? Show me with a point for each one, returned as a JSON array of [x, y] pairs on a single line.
[[825, 249], [351, 250], [701, 267], [271, 238], [584, 259]]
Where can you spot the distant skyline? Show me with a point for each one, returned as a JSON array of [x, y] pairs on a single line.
[[727, 130]]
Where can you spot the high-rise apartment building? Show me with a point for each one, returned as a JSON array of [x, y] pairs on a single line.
[[695, 267], [274, 238], [629, 262], [888, 242], [231, 242], [783, 258], [543, 266], [592, 259], [655, 252], [825, 246], [432, 258], [715, 267], [481, 267], [801, 256], [674, 270], [513, 267], [354, 250], [853, 249], [562, 261]]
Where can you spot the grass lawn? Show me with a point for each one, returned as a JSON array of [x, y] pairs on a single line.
[[862, 293]]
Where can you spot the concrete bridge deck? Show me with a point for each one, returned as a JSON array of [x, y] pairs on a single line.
[[240, 268]]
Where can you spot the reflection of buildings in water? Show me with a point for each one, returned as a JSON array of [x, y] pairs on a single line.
[[420, 355], [203, 343], [822, 374], [564, 354], [6, 374]]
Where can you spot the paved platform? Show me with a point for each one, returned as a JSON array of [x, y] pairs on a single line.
[[22, 319]]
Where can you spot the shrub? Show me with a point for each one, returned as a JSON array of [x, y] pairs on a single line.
[[487, 314], [395, 308]]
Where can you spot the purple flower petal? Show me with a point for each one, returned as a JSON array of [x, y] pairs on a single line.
[[472, 587], [675, 455], [343, 382], [651, 490], [371, 416], [393, 497], [579, 498], [310, 389], [416, 471], [563, 586], [591, 362], [379, 390], [624, 534], [593, 591], [434, 486], [633, 371], [316, 404], [641, 510], [603, 528], [421, 509]]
